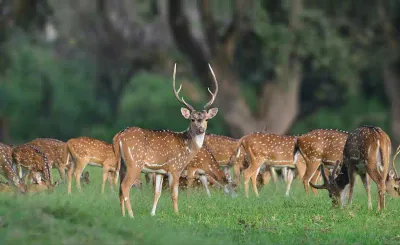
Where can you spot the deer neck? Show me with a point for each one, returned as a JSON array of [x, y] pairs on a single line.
[[194, 141]]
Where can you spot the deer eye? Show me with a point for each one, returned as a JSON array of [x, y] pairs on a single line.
[[192, 120]]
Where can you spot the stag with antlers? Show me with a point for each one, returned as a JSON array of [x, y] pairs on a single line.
[[83, 151], [161, 151], [366, 152]]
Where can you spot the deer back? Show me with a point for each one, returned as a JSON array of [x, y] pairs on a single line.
[[32, 158], [52, 148], [370, 144], [271, 147], [157, 148], [222, 147], [322, 145], [91, 149]]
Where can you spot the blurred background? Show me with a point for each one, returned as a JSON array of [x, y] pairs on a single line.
[[93, 67]]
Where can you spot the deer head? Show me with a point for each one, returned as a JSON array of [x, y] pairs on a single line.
[[393, 184], [198, 119], [85, 178], [334, 184]]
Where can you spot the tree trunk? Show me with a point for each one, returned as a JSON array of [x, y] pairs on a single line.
[[392, 86], [278, 105], [4, 130]]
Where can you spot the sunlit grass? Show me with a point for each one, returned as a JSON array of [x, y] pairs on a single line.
[[92, 218]]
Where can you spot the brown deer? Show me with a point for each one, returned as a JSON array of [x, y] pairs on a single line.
[[83, 151], [319, 146], [54, 151], [6, 168], [366, 152], [34, 164], [271, 149], [161, 151], [204, 163], [393, 179], [222, 148]]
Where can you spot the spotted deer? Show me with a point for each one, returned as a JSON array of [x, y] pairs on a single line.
[[7, 170], [367, 153], [161, 151], [83, 151], [393, 179], [204, 163], [54, 151], [319, 146], [34, 164], [271, 149], [222, 148]]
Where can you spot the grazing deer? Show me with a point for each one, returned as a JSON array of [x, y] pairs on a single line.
[[205, 163], [271, 149], [7, 170], [222, 148], [54, 151], [366, 152], [83, 151], [161, 151], [34, 164], [319, 146], [393, 179]]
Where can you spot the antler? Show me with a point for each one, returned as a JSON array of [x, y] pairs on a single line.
[[326, 183], [393, 163], [177, 92], [213, 95]]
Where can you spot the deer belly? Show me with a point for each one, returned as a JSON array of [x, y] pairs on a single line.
[[95, 164], [147, 169]]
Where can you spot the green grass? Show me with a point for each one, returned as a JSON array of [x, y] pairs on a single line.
[[91, 218]]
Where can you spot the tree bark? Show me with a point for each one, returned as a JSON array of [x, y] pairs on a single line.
[[392, 85], [278, 105]]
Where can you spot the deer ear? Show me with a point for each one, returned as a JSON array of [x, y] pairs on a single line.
[[185, 112], [212, 112]]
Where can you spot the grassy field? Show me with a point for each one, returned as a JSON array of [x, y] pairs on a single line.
[[91, 218]]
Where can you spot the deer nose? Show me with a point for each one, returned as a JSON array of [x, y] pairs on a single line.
[[200, 131]]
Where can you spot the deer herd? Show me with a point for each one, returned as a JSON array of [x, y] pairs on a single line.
[[181, 158]]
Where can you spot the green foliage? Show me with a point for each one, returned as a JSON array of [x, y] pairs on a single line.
[[92, 218], [357, 112]]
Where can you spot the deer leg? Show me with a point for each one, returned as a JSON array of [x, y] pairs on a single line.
[[310, 171], [104, 175], [69, 174], [284, 174], [190, 178], [289, 180], [273, 174], [80, 166], [254, 181], [247, 173], [352, 179], [175, 190], [367, 186], [157, 192], [127, 180], [314, 180], [204, 181], [236, 171], [61, 171]]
